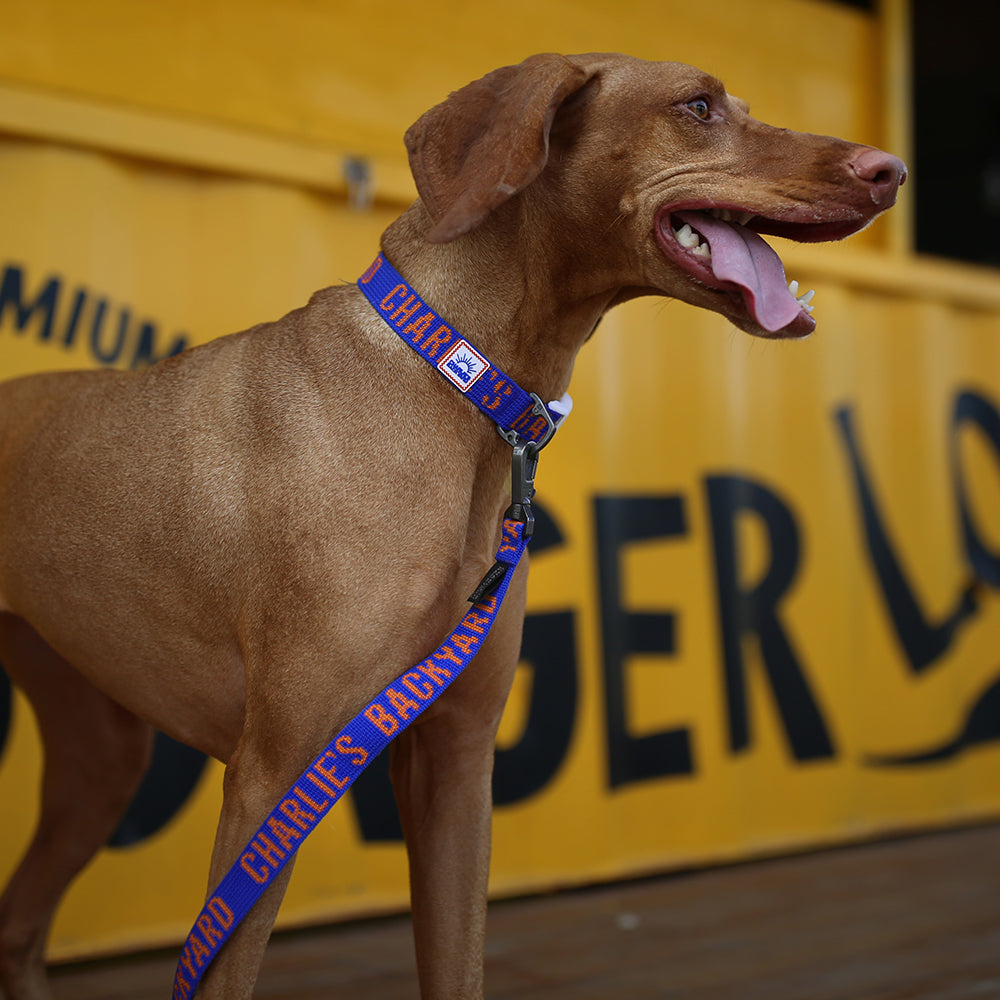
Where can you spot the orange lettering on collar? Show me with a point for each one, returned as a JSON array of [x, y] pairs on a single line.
[[386, 304], [438, 339]]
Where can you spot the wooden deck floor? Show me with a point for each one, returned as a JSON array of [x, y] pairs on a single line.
[[910, 919]]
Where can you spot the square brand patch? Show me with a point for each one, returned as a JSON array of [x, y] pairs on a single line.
[[463, 365]]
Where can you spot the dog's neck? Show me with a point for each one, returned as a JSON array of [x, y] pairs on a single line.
[[501, 295]]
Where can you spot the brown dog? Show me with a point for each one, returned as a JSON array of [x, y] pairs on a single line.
[[204, 548]]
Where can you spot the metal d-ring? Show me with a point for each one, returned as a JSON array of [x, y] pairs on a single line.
[[539, 410]]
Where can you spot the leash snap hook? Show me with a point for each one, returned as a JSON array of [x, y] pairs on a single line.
[[523, 467]]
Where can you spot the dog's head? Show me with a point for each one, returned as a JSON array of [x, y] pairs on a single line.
[[682, 178]]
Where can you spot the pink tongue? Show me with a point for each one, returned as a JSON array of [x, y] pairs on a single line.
[[742, 257]]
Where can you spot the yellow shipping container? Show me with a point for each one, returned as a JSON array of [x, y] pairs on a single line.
[[807, 534]]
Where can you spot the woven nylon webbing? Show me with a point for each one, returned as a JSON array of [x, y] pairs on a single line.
[[467, 368]]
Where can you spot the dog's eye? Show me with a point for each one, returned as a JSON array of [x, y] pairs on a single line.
[[699, 108]]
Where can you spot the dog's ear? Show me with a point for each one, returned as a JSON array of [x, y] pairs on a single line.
[[488, 141]]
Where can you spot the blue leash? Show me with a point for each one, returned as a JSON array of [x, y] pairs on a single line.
[[334, 771], [527, 424]]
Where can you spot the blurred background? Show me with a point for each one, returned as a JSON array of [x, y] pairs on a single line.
[[763, 614]]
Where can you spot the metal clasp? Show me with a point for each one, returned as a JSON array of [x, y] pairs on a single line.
[[540, 410], [523, 466]]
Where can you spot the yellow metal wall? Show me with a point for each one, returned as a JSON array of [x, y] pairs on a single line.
[[172, 172]]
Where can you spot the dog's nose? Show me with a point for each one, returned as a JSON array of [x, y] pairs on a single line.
[[883, 172]]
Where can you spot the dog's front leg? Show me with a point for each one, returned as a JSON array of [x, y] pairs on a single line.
[[254, 782], [295, 703], [442, 776]]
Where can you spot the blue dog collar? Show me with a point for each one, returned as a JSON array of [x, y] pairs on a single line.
[[517, 414]]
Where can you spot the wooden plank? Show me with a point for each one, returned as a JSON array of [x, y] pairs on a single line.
[[917, 918]]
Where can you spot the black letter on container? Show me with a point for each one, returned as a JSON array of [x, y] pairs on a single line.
[[923, 641], [620, 522], [974, 409], [755, 612]]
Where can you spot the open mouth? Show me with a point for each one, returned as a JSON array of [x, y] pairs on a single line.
[[721, 248]]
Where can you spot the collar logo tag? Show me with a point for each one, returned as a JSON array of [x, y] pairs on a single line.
[[463, 365]]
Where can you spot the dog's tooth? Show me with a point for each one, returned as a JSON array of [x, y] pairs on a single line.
[[687, 237], [702, 250], [793, 287], [807, 298], [744, 217]]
